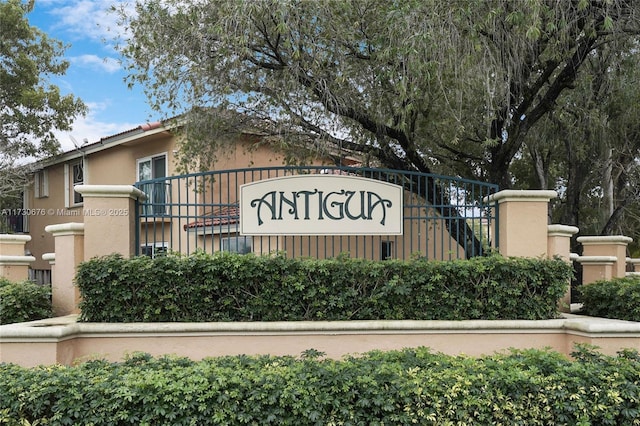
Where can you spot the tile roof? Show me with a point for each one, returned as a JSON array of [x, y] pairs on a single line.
[[226, 215]]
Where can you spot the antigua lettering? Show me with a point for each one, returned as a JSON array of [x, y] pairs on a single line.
[[320, 205]]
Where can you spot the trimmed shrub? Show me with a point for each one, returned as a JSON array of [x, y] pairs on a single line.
[[23, 301], [618, 298], [413, 386], [232, 287]]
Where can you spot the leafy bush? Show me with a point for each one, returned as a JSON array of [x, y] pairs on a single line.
[[413, 386], [617, 298], [23, 301], [231, 287]]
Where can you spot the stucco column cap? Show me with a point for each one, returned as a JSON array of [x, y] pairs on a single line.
[[16, 260], [605, 239], [14, 238], [110, 191], [557, 230], [595, 260], [71, 228], [521, 195], [51, 257]]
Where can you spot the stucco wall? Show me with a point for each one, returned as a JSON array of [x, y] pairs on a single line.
[[64, 341]]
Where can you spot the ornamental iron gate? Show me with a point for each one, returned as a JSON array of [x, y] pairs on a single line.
[[443, 217]]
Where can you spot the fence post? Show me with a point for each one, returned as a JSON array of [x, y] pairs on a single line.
[[522, 222], [69, 252], [14, 263], [559, 245], [109, 219], [603, 257]]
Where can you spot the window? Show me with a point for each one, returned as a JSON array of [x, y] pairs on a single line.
[[241, 245], [41, 184], [73, 175], [152, 168], [386, 250], [25, 217], [154, 250]]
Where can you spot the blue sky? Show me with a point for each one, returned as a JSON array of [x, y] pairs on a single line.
[[95, 74]]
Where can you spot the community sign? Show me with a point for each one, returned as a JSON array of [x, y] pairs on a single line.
[[320, 205]]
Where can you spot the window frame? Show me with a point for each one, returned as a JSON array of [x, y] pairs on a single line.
[[387, 250], [237, 238], [150, 158], [41, 184], [69, 184], [154, 209], [157, 249]]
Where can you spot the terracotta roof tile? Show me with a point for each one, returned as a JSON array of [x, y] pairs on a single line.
[[227, 215]]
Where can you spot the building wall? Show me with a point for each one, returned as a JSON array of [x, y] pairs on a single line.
[[115, 165], [50, 210]]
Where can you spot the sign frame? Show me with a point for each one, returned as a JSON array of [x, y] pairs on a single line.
[[324, 204]]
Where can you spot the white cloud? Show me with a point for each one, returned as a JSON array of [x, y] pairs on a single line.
[[109, 65], [87, 19], [91, 129]]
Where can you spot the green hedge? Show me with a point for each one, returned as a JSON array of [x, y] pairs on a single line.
[[231, 287], [406, 387], [617, 298], [23, 301]]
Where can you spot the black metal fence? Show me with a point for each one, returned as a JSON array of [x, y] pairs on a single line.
[[443, 217]]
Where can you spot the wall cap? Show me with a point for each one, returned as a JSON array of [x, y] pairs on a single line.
[[63, 328], [604, 239], [71, 228], [557, 230], [14, 238], [597, 260], [51, 257], [521, 195], [110, 191], [16, 260]]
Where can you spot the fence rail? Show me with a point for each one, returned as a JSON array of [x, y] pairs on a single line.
[[444, 217]]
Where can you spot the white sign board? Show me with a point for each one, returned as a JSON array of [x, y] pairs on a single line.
[[320, 205]]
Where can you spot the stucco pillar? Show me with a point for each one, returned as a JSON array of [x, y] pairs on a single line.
[[109, 219], [14, 264], [596, 268], [635, 263], [559, 245], [69, 252], [559, 241], [608, 245], [522, 222]]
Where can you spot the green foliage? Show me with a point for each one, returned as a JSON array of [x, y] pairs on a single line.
[[531, 94], [617, 298], [30, 107], [412, 386], [232, 287], [23, 301]]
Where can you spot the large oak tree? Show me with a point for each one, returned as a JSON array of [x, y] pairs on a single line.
[[466, 88]]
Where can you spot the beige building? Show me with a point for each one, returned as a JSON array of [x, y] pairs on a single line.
[[146, 152], [202, 211]]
